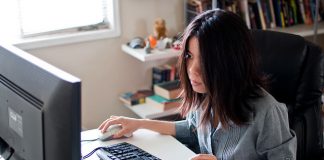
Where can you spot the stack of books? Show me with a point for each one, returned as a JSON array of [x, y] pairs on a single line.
[[166, 96], [135, 98]]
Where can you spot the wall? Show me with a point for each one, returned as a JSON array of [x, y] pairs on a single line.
[[104, 69]]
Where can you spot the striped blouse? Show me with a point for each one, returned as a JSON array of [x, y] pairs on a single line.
[[266, 136]]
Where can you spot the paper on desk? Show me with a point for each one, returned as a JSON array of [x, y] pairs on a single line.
[[90, 134]]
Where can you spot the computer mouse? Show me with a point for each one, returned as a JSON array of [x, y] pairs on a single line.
[[108, 135]]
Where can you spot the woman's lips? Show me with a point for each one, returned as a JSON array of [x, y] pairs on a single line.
[[194, 83]]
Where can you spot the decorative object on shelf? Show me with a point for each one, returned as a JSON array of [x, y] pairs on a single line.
[[159, 28], [152, 41], [148, 47], [137, 42], [176, 42], [163, 43], [159, 34], [176, 45]]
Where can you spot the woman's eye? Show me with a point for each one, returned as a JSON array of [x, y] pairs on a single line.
[[188, 55]]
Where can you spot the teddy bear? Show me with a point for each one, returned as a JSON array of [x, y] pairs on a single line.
[[159, 31]]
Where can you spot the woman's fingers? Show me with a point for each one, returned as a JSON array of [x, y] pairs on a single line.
[[121, 133], [109, 123], [204, 157], [104, 122]]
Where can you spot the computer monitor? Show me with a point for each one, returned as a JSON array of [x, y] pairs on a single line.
[[40, 109]]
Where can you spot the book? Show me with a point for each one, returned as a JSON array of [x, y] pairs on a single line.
[[161, 103], [168, 90], [164, 73], [134, 98], [172, 71], [254, 15], [272, 12], [245, 12], [302, 11], [159, 74], [308, 16], [261, 13]]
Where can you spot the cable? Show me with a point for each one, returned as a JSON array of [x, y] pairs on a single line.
[[89, 140], [91, 153]]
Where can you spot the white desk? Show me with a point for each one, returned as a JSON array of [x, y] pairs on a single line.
[[161, 146]]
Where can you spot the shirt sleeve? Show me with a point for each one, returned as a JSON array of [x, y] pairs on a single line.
[[186, 131], [275, 140]]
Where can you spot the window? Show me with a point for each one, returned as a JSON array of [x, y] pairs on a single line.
[[40, 23]]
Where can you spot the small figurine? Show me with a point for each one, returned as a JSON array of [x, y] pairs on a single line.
[[153, 41], [148, 47], [159, 33], [159, 29], [164, 43], [176, 45]]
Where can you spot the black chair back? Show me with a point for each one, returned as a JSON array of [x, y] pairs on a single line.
[[295, 68]]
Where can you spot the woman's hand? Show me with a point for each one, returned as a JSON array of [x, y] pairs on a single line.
[[129, 125], [204, 157]]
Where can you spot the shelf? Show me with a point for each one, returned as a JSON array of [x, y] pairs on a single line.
[[154, 55], [302, 29], [146, 111]]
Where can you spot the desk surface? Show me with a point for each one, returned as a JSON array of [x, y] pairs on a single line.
[[162, 146]]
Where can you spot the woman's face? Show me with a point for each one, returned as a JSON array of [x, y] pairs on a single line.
[[193, 66]]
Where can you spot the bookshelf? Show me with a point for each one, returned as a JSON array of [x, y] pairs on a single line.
[[154, 55], [194, 7], [145, 110]]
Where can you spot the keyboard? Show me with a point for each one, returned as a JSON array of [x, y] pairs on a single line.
[[124, 150]]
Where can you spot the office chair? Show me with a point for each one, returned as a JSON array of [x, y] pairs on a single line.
[[295, 74]]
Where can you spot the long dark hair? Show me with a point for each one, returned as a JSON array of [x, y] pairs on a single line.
[[229, 68]]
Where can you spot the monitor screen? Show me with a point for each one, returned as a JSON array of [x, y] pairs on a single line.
[[40, 109]]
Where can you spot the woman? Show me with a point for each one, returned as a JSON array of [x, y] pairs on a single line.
[[228, 113]]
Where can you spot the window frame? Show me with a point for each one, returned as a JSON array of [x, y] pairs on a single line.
[[69, 38]]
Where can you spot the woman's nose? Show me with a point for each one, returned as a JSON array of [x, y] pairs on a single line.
[[194, 68]]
